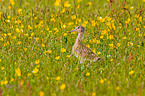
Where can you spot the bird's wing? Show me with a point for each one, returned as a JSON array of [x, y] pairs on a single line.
[[86, 52]]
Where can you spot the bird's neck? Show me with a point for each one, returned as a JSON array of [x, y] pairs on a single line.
[[79, 38]]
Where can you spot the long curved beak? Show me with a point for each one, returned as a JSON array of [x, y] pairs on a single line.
[[72, 31]]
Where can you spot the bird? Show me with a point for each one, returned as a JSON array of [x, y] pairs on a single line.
[[79, 50]]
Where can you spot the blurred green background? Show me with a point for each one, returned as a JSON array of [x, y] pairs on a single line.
[[35, 47]]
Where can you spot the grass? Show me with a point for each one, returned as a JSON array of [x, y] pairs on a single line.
[[35, 48]]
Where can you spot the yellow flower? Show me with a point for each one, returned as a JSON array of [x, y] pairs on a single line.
[[52, 20], [25, 49], [2, 82], [0, 60], [137, 29], [38, 66], [66, 4], [37, 61], [93, 50], [64, 26], [8, 21], [124, 38], [19, 11], [111, 59], [139, 34], [111, 45], [43, 45], [87, 74], [63, 50], [9, 34], [5, 44], [17, 30], [79, 1], [19, 42], [8, 17], [98, 41], [93, 22], [88, 46], [108, 82], [57, 57], [41, 93], [73, 17], [8, 43], [98, 18], [117, 88], [90, 3], [140, 19], [136, 16], [64, 34], [29, 74], [93, 94], [110, 37], [62, 87], [108, 18], [78, 20], [2, 68], [63, 10], [12, 79], [101, 81], [118, 44], [49, 51], [14, 37], [12, 2], [35, 70], [35, 18], [1, 13], [94, 40], [143, 0], [131, 7], [105, 79], [103, 32], [70, 23], [5, 82], [18, 71], [131, 43], [131, 72], [98, 53], [84, 23], [127, 21], [68, 56], [57, 3], [29, 27], [101, 19], [1, 39], [37, 39], [57, 78], [76, 68], [21, 82], [78, 6], [47, 29]]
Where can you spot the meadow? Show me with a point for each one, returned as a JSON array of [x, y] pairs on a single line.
[[35, 48]]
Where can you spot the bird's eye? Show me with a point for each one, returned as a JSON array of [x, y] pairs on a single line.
[[78, 27]]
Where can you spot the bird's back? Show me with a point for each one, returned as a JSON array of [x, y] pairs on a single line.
[[81, 50]]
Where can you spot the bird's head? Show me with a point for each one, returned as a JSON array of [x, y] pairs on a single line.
[[79, 29]]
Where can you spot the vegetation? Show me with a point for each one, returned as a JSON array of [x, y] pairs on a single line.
[[35, 47]]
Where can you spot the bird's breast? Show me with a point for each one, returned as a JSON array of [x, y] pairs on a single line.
[[76, 51]]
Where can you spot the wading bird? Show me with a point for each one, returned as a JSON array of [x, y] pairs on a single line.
[[80, 50]]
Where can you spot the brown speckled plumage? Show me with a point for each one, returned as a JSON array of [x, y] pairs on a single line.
[[80, 50]]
